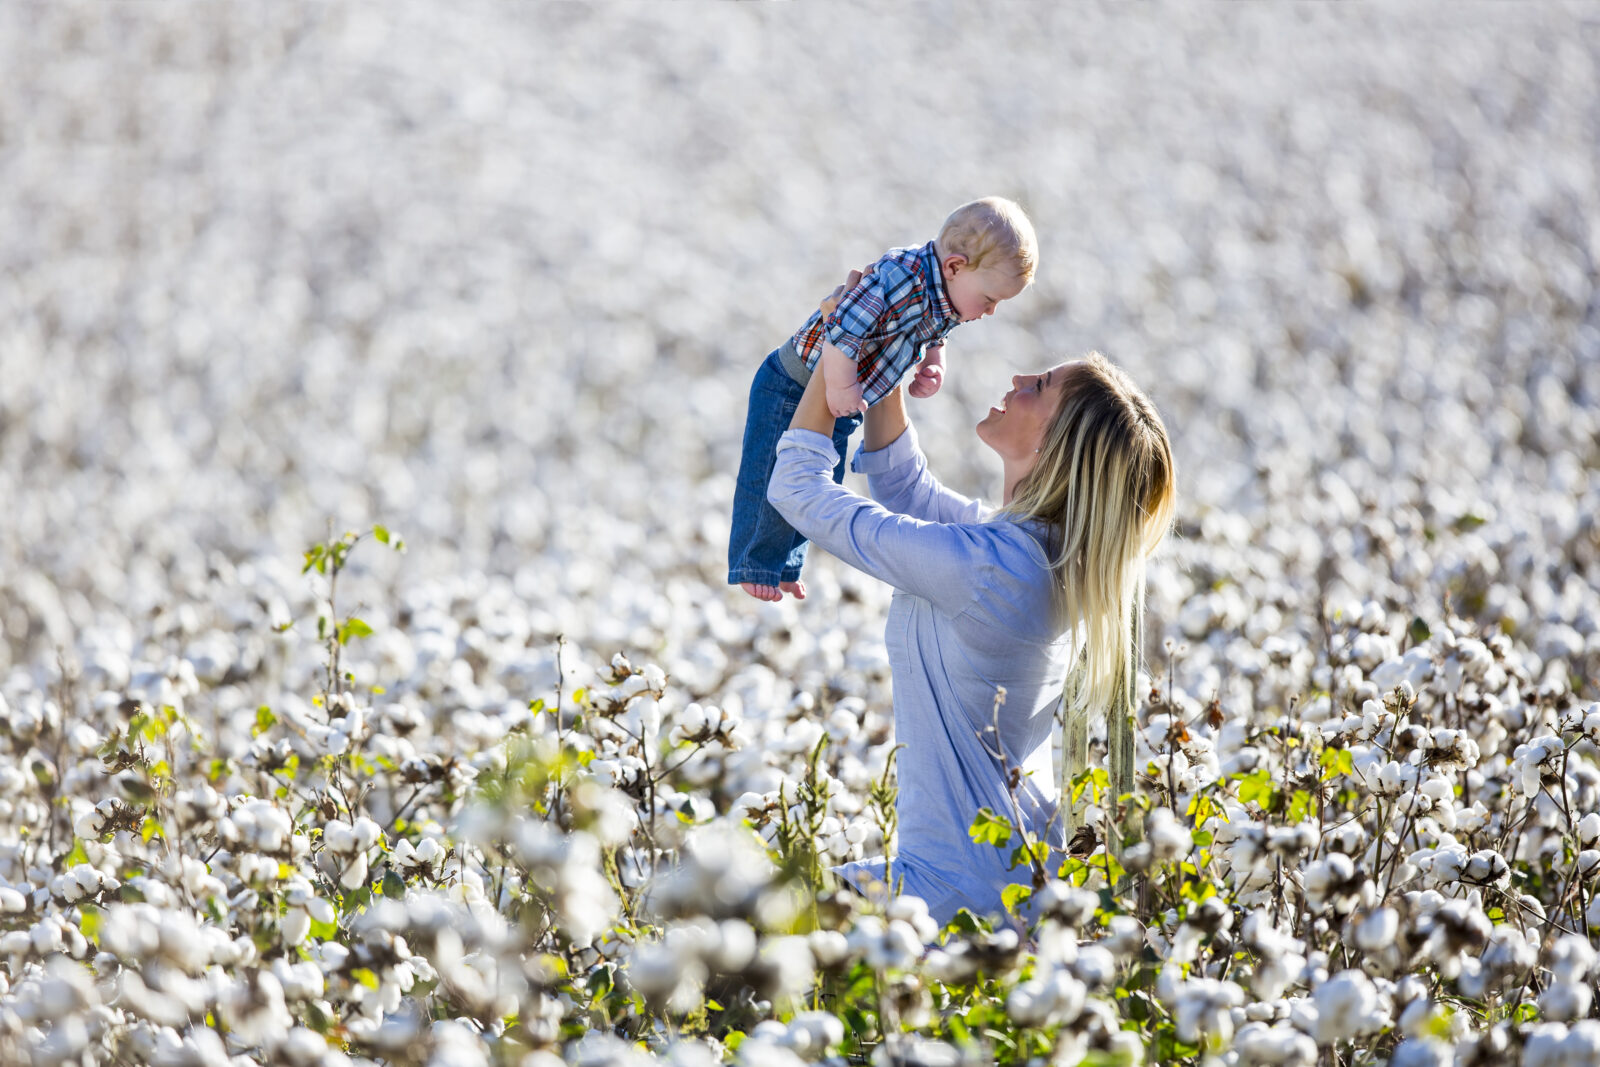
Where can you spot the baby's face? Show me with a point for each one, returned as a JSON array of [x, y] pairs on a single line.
[[976, 293]]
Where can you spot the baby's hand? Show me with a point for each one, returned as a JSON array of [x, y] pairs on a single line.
[[930, 373], [845, 400]]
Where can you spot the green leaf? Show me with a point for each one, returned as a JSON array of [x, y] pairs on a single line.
[[965, 922], [353, 628], [90, 923], [381, 533], [1419, 631], [324, 931], [365, 976], [1256, 786], [394, 887], [1014, 895], [1300, 806], [264, 721], [600, 982], [1202, 837], [991, 829]]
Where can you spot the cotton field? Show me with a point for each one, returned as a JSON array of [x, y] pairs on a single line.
[[371, 385]]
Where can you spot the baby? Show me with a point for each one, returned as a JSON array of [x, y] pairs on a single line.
[[895, 318]]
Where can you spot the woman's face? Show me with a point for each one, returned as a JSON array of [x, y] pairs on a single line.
[[1015, 429]]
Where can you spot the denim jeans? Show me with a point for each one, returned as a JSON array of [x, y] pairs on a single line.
[[762, 548]]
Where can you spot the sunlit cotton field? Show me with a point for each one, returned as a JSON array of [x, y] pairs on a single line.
[[371, 390]]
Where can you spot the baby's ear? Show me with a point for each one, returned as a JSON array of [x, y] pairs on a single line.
[[955, 263]]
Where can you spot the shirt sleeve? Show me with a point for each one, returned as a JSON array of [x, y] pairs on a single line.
[[899, 479], [865, 311], [944, 563]]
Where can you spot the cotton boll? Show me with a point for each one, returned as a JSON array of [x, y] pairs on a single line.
[[1347, 1005], [1377, 929], [294, 926], [354, 875]]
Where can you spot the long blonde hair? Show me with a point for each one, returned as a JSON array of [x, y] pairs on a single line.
[[1106, 486]]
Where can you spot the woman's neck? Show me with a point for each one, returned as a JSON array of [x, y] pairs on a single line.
[[1012, 473]]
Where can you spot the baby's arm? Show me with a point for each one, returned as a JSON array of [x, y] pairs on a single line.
[[839, 375], [930, 372]]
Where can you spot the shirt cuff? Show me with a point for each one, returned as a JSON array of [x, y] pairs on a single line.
[[844, 341], [810, 441], [902, 449]]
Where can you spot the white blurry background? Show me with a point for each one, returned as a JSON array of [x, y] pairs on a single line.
[[497, 276]]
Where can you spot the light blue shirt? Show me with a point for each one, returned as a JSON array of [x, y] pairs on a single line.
[[971, 613]]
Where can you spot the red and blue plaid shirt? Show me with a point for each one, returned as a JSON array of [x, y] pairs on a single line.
[[887, 321]]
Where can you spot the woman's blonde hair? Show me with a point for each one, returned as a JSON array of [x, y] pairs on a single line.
[[992, 232], [1106, 486]]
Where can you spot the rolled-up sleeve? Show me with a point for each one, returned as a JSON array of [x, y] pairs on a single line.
[[899, 479], [941, 562]]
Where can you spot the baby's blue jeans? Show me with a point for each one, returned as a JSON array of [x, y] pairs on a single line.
[[762, 548]]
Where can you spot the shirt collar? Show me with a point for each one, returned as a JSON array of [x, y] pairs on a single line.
[[941, 295]]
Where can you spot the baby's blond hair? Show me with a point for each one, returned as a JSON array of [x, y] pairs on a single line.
[[992, 232]]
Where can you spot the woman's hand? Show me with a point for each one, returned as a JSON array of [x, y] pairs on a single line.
[[831, 301]]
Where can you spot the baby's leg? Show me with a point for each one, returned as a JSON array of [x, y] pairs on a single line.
[[760, 541]]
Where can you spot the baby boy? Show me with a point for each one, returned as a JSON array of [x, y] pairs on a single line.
[[895, 318]]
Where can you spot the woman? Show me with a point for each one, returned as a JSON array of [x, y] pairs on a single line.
[[990, 600]]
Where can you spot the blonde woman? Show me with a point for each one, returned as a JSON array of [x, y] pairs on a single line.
[[990, 599]]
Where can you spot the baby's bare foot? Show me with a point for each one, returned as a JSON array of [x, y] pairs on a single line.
[[796, 589], [762, 592]]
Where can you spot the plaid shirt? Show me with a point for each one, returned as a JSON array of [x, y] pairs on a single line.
[[886, 322]]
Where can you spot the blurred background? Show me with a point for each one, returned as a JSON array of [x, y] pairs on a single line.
[[498, 276]]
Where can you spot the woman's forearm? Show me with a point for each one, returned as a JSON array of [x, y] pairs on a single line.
[[813, 413], [886, 421]]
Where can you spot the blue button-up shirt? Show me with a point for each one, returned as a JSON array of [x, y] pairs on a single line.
[[972, 612]]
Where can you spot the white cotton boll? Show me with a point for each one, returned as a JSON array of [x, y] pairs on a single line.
[[1125, 936], [1280, 1045], [1169, 839], [45, 937], [11, 901], [1562, 1002], [339, 836], [812, 1033], [1572, 958], [913, 910], [1095, 966], [366, 833], [1423, 1052], [89, 823], [294, 926], [355, 875], [1347, 1005], [1377, 929], [1589, 829], [735, 946], [829, 947]]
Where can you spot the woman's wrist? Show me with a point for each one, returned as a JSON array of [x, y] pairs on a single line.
[[886, 421]]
